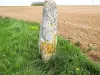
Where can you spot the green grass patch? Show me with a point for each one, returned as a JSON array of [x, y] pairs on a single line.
[[19, 53]]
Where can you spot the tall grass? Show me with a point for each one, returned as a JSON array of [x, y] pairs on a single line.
[[19, 53]]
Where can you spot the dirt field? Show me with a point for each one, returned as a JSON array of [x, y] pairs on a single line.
[[79, 24]]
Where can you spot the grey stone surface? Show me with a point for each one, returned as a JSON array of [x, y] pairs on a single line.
[[48, 29]]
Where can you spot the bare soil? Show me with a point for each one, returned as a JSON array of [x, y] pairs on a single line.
[[79, 24]]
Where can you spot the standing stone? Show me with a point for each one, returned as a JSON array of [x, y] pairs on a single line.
[[48, 30]]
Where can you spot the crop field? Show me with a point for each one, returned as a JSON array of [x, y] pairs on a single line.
[[78, 24]]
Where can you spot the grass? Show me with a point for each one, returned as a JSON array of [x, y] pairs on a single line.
[[19, 53]]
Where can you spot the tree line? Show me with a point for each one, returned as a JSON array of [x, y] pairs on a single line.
[[37, 4]]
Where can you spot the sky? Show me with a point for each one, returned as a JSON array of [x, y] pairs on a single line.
[[59, 2]]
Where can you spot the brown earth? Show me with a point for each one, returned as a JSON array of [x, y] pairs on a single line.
[[79, 24]]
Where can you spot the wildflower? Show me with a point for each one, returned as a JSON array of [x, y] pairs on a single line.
[[77, 69], [34, 27]]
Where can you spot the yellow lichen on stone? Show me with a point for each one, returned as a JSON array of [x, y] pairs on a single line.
[[54, 39], [49, 48], [43, 45], [51, 24]]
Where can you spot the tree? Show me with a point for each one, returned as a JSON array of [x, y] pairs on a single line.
[[48, 30], [37, 4]]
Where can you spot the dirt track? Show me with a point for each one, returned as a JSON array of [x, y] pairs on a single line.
[[76, 23]]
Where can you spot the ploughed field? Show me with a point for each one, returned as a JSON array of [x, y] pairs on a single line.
[[78, 24]]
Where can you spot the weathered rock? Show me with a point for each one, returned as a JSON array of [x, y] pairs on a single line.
[[48, 30]]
